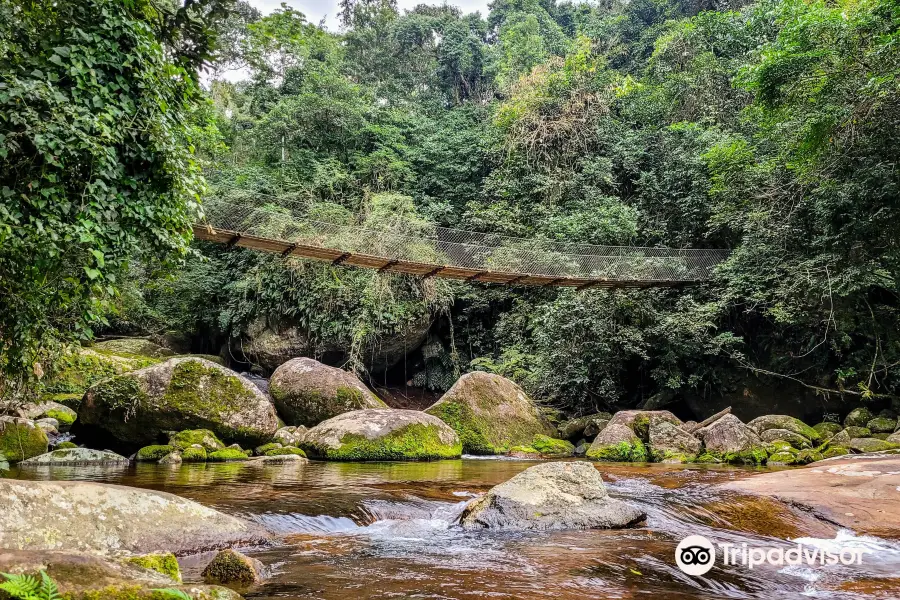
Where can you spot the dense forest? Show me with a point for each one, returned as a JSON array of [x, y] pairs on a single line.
[[767, 128]]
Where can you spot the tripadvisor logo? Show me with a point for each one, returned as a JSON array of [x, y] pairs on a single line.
[[696, 555]]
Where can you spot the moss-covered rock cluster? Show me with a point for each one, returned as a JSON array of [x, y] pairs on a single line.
[[21, 439]]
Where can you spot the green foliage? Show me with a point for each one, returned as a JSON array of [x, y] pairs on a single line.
[[29, 587]]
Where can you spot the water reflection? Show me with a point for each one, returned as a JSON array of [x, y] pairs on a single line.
[[385, 530]]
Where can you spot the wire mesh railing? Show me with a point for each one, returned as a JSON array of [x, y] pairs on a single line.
[[414, 241]]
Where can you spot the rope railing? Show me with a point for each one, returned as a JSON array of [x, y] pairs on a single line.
[[409, 245]]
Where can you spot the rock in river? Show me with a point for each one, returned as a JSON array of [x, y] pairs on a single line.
[[21, 439], [307, 392], [178, 394], [382, 434], [111, 519], [490, 413], [557, 495], [77, 457], [730, 440]]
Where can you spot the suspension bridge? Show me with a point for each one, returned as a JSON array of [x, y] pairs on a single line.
[[411, 246]]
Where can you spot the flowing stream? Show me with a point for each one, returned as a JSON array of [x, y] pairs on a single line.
[[385, 530]]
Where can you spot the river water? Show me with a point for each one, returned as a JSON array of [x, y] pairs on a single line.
[[385, 530]]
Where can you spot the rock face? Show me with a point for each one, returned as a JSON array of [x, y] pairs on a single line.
[[77, 456], [730, 440], [582, 427], [38, 516], [64, 415], [490, 413], [382, 434], [307, 392], [625, 437], [21, 439], [558, 495], [290, 436], [766, 422], [178, 394], [83, 576], [230, 567], [794, 439], [670, 443]]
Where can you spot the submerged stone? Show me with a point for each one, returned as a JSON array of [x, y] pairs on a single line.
[[179, 394], [307, 392], [554, 495], [382, 434], [490, 414]]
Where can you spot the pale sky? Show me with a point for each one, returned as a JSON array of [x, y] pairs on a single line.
[[315, 10]]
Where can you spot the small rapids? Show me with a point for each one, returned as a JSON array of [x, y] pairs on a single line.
[[388, 530]]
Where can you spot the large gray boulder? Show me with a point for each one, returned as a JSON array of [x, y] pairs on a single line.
[[112, 519], [181, 393], [729, 440], [490, 413], [290, 436], [672, 444], [767, 422], [76, 457], [382, 434], [794, 439], [307, 392], [556, 495], [617, 443]]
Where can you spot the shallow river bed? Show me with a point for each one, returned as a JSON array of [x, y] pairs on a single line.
[[384, 530]]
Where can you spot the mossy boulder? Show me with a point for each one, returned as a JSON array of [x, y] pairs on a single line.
[[139, 346], [781, 459], [230, 567], [670, 443], [165, 563], [261, 450], [882, 425], [65, 445], [226, 455], [179, 394], [153, 453], [196, 437], [617, 443], [827, 429], [172, 458], [194, 454], [871, 445], [77, 457], [784, 422], [779, 446], [21, 439], [80, 368], [286, 450], [382, 434], [550, 447], [62, 414], [307, 392], [833, 451], [39, 516], [729, 440], [858, 417], [794, 439], [490, 413], [810, 455], [857, 432], [639, 421]]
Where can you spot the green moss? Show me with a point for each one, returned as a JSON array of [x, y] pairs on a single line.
[[413, 442], [756, 456], [229, 567], [669, 456], [827, 429], [65, 418], [858, 432], [226, 455], [66, 445], [804, 457], [166, 564], [19, 441], [261, 450], [549, 446], [210, 357], [835, 451], [641, 426], [782, 458], [153, 453], [190, 437], [882, 425], [473, 431], [76, 371], [621, 452], [72, 400], [285, 450], [524, 452], [780, 446], [193, 455]]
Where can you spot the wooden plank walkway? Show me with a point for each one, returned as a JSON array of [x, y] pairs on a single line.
[[424, 270]]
